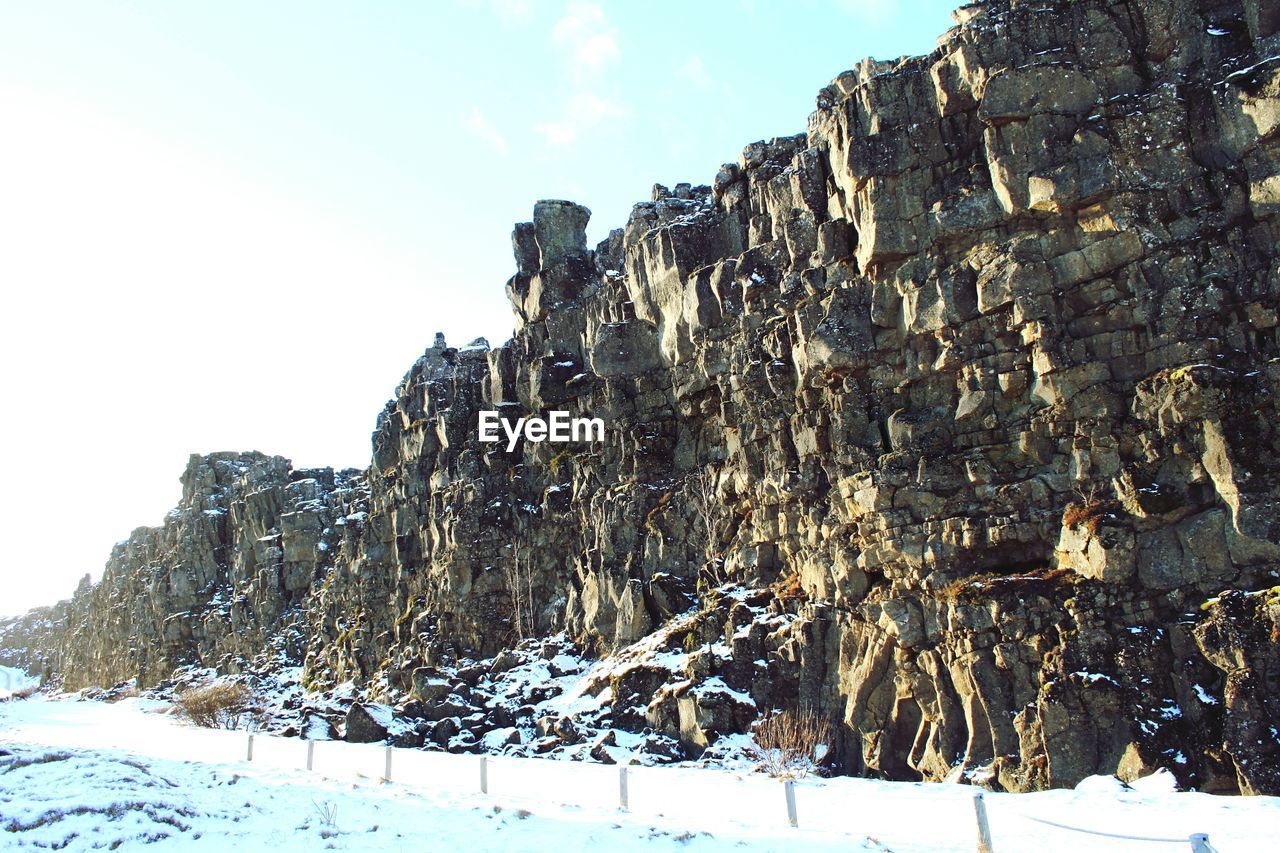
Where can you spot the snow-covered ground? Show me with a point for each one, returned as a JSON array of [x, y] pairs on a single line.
[[83, 775]]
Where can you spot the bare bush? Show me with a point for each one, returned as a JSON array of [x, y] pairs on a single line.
[[216, 706], [789, 745]]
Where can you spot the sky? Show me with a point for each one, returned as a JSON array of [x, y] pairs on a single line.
[[235, 225]]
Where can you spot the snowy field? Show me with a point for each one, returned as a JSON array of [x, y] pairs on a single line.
[[83, 775]]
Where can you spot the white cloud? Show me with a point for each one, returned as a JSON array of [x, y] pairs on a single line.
[[582, 112], [693, 71], [479, 125], [588, 43], [586, 32]]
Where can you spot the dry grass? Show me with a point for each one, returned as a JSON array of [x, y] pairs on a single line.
[[216, 706], [327, 812], [788, 587], [1037, 580], [789, 745], [651, 519], [1089, 514], [24, 693]]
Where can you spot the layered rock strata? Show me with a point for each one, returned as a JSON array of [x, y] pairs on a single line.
[[971, 387]]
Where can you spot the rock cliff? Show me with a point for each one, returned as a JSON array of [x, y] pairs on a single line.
[[953, 419]]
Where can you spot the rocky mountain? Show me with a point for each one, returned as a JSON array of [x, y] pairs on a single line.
[[952, 419]]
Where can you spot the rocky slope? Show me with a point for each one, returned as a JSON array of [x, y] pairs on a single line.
[[952, 419]]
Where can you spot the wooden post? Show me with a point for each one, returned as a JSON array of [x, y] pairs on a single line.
[[1200, 843], [624, 798], [311, 754], [984, 828], [484, 774], [248, 755], [386, 770], [789, 788]]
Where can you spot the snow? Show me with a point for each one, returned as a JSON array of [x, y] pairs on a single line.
[[313, 729], [86, 800], [715, 684], [62, 788], [90, 773], [1159, 782], [15, 681], [1094, 677]]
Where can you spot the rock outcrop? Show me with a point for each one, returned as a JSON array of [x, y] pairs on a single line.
[[225, 581], [953, 418]]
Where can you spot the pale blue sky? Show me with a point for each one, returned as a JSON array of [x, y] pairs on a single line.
[[234, 225]]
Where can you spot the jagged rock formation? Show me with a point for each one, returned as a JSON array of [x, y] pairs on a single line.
[[978, 374], [226, 579]]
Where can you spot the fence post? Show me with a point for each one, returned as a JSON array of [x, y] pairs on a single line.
[[1200, 843], [484, 774], [984, 829], [311, 754], [386, 771], [789, 788], [624, 798], [248, 755]]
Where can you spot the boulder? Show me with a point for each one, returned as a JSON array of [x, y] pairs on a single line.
[[367, 723]]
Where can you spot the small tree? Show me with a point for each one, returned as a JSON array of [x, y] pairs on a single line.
[[706, 504], [790, 744], [519, 581]]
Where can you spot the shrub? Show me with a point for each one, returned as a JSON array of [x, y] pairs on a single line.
[[24, 693], [789, 587], [1090, 515], [216, 706], [789, 745]]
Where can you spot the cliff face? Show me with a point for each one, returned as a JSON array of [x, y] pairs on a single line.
[[952, 418], [226, 579]]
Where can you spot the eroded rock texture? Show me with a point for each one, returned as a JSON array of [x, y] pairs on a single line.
[[973, 383]]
